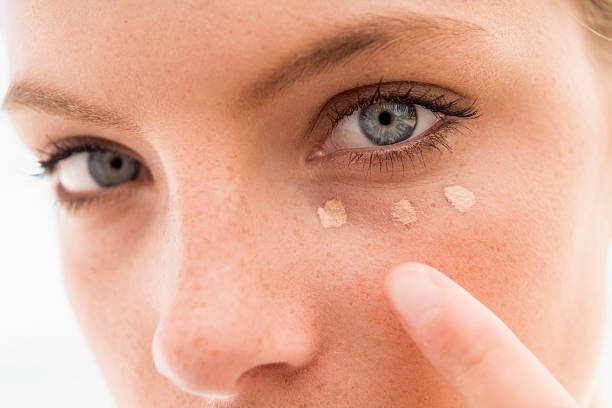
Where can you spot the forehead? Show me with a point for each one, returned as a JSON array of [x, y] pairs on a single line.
[[138, 52]]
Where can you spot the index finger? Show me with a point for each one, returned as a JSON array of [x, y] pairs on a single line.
[[470, 346]]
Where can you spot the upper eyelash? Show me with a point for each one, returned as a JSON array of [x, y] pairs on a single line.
[[435, 104], [66, 148], [62, 152]]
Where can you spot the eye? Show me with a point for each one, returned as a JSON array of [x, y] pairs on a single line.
[[90, 171], [381, 124], [390, 122]]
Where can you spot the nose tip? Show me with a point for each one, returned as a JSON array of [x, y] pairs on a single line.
[[187, 364], [218, 365]]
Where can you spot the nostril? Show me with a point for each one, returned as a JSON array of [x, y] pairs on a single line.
[[270, 368], [254, 374]]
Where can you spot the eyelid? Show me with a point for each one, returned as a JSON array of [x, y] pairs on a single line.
[[453, 109], [432, 97], [349, 126], [61, 149], [386, 163]]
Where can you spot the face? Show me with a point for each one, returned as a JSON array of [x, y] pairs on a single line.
[[192, 143]]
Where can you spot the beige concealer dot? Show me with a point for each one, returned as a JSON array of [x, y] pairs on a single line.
[[460, 197], [332, 214], [403, 212]]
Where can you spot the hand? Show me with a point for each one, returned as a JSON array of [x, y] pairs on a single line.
[[476, 353]]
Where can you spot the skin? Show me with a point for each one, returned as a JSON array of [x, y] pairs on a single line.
[[214, 275]]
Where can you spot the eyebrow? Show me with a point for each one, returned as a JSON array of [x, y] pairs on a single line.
[[369, 35], [27, 93]]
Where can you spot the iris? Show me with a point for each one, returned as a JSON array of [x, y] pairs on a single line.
[[388, 123], [109, 169]]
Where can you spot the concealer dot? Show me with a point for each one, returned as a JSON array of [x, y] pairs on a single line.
[[460, 197], [332, 214], [403, 212]]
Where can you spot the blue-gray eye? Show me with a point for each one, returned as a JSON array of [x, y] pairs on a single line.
[[388, 123], [109, 169]]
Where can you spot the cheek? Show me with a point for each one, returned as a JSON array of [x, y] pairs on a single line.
[[526, 249], [108, 274]]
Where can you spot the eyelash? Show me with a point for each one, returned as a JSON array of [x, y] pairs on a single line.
[[433, 138], [65, 148]]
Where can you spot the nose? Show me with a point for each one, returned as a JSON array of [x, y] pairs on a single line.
[[232, 321], [216, 350]]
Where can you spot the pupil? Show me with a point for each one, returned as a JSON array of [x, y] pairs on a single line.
[[116, 163], [384, 118]]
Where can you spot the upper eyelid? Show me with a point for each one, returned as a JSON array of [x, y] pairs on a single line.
[[408, 91], [63, 148], [347, 102]]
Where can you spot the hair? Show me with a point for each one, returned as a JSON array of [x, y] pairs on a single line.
[[597, 15]]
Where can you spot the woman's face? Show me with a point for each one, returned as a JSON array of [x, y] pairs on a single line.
[[206, 270]]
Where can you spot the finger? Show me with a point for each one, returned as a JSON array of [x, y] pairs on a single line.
[[485, 362]]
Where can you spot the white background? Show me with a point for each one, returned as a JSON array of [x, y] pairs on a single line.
[[44, 361]]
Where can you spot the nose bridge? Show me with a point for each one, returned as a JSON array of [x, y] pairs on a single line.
[[211, 215], [215, 242]]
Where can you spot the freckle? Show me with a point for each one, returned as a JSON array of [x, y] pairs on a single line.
[[460, 197], [433, 205], [403, 212], [332, 214]]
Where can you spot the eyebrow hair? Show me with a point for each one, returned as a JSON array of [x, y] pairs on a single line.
[[369, 35], [26, 93]]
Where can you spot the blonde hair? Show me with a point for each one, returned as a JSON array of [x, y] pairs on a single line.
[[597, 15]]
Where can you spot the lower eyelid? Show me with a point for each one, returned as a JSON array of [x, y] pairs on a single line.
[[326, 149], [392, 162], [74, 202]]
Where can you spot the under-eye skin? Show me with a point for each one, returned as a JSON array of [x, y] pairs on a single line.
[[89, 170], [389, 125]]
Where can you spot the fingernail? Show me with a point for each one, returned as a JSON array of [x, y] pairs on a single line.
[[413, 294]]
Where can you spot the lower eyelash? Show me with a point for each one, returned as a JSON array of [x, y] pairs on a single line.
[[73, 205], [388, 160]]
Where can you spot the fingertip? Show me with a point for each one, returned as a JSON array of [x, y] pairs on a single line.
[[413, 293]]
